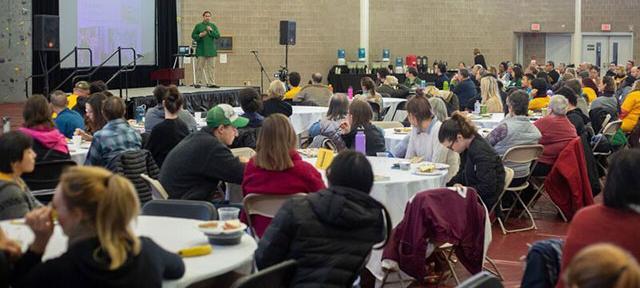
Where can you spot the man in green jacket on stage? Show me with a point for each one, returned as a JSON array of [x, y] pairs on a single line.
[[205, 33]]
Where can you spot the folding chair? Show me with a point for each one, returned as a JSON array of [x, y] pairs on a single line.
[[481, 280], [608, 130], [190, 209], [266, 205], [276, 276], [45, 177], [157, 191], [522, 154], [387, 124]]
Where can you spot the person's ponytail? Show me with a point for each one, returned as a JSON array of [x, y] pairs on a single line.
[[172, 99], [456, 124], [119, 204]]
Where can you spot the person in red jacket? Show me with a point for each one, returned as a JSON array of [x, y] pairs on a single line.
[[557, 131], [618, 220], [277, 168]]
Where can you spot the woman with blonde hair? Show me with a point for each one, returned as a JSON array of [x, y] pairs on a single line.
[[277, 168], [94, 208], [602, 265], [490, 94], [273, 103]]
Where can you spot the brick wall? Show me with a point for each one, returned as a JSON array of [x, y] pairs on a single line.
[[15, 49], [534, 47], [621, 14]]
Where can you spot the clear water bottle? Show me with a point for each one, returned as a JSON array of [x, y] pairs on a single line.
[[423, 84], [140, 110], [476, 107], [350, 92], [6, 124], [361, 141]]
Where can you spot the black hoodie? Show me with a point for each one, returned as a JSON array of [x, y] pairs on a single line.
[[578, 119], [329, 233], [78, 268]]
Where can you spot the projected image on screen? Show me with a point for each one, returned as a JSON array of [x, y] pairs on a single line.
[[104, 26]]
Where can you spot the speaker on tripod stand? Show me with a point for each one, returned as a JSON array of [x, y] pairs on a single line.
[[287, 37]]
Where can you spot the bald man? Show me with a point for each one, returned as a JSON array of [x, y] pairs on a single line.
[[67, 120]]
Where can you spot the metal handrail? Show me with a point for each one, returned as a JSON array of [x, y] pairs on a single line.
[[74, 52], [118, 52]]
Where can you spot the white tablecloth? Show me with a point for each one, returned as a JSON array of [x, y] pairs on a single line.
[[489, 122], [78, 155], [391, 139], [302, 116], [171, 234], [401, 186]]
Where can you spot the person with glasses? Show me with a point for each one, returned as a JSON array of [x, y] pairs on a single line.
[[480, 166]]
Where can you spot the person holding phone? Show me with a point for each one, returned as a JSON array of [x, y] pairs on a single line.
[[204, 34]]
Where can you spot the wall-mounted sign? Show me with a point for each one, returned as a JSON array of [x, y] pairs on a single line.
[[605, 27], [535, 26]]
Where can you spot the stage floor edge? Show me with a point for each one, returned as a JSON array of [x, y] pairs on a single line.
[[195, 99]]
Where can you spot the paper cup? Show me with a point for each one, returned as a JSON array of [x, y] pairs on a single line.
[[77, 140]]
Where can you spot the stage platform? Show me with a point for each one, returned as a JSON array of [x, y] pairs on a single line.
[[195, 99]]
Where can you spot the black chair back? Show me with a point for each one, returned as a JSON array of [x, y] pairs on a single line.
[[483, 279], [276, 276], [190, 209], [375, 107], [46, 175]]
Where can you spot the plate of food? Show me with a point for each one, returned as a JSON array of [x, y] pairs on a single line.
[[486, 115], [223, 232], [402, 130], [309, 152], [431, 169]]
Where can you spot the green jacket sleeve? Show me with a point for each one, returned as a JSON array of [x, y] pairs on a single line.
[[195, 34], [215, 33]]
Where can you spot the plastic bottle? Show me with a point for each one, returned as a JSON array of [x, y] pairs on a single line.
[[361, 141], [6, 124], [423, 84], [350, 92], [476, 107], [140, 110]]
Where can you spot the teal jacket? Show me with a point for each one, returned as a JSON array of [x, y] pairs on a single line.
[[207, 44]]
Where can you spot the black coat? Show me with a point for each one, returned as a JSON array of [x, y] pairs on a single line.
[[274, 105], [466, 92], [482, 169], [479, 59], [329, 233], [578, 119], [374, 139], [400, 91]]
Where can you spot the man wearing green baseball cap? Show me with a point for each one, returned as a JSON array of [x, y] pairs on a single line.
[[193, 169]]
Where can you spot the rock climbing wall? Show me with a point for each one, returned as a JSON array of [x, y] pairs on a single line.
[[15, 49]]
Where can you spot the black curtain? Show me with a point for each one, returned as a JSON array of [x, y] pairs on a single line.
[[167, 45]]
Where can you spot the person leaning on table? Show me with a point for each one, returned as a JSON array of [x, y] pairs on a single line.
[[94, 208]]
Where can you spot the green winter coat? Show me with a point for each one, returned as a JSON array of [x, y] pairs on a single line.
[[207, 44]]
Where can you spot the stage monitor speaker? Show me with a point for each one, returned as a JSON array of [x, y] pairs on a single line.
[[287, 32], [46, 33]]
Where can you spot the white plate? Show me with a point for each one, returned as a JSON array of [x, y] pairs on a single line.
[[85, 145], [218, 230], [434, 173], [440, 168]]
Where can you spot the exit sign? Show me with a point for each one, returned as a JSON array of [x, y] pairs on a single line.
[[605, 27], [535, 27]]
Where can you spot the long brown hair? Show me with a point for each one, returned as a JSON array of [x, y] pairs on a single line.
[[275, 141], [361, 113], [456, 124], [603, 265], [37, 112], [96, 101], [109, 203]]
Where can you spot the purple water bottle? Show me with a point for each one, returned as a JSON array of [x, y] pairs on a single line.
[[361, 142], [350, 92]]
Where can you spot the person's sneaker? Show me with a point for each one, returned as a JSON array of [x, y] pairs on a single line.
[[213, 86]]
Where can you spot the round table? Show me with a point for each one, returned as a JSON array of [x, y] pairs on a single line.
[[302, 116], [398, 186], [491, 122], [391, 138], [171, 234], [80, 154]]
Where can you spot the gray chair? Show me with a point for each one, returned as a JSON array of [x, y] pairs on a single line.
[[190, 209], [483, 279], [276, 276]]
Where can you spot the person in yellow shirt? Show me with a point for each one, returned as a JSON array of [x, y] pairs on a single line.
[[294, 81], [80, 90], [539, 94], [631, 109]]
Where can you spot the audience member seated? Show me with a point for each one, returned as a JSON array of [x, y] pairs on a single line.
[[48, 143], [359, 119], [540, 100], [391, 88], [588, 82], [330, 249], [369, 93], [630, 109], [606, 99], [576, 87], [515, 130], [620, 76], [273, 103], [314, 94], [156, 115], [617, 220], [276, 158], [627, 84], [602, 265], [556, 131], [67, 121], [465, 90], [480, 166], [251, 104], [526, 82], [168, 133], [99, 86], [80, 95], [294, 81], [516, 77], [94, 208], [442, 79], [194, 168], [437, 102], [490, 94], [329, 125], [412, 81], [114, 138], [550, 68], [575, 115], [94, 119], [423, 139], [16, 157]]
